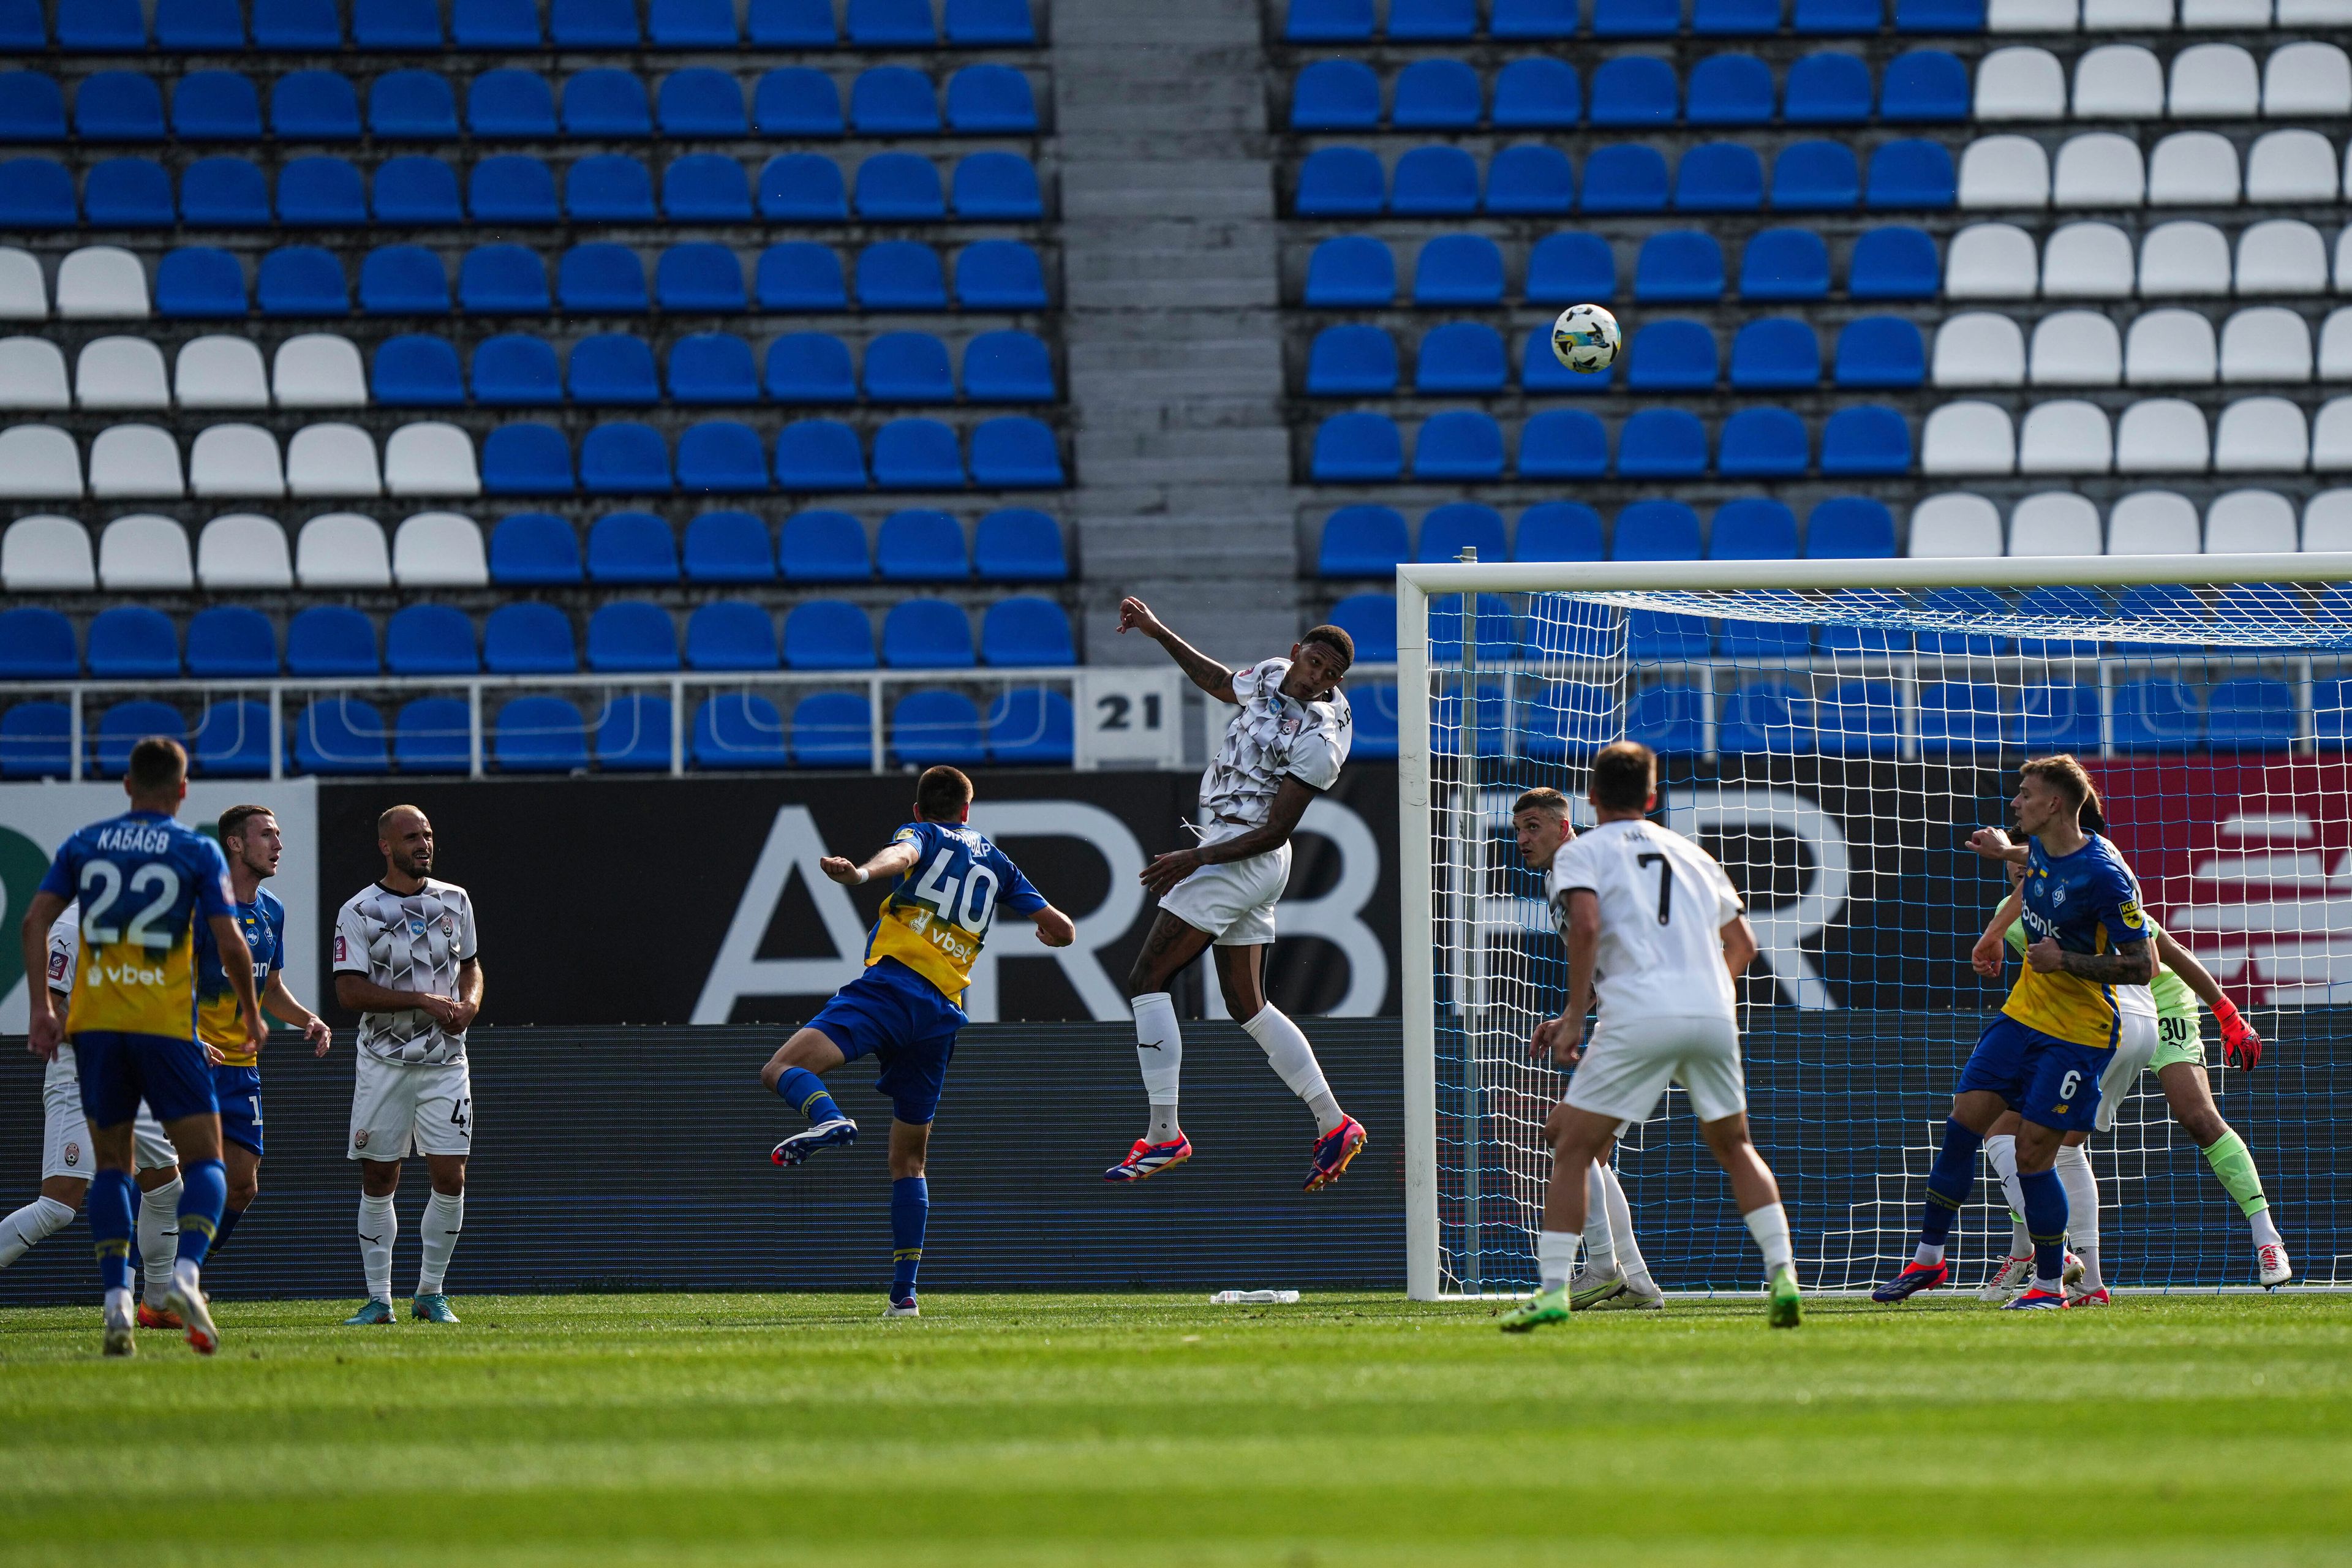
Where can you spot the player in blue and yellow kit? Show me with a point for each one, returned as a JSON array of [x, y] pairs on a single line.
[[2043, 1056], [144, 883], [905, 1010]]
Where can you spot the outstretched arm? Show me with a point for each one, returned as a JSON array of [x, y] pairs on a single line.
[[2241, 1047], [1135, 615], [1290, 803], [890, 860]]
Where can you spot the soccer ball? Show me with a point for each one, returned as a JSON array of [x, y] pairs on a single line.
[[1585, 339]]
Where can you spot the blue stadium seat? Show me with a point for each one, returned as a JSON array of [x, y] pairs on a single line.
[[712, 367], [1670, 719], [632, 734], [1785, 264], [321, 193], [1810, 176], [297, 25], [527, 460], [921, 546], [1911, 174], [614, 369], [1016, 452], [1625, 179], [1496, 631], [610, 187], [1352, 271], [833, 729], [909, 367], [131, 642], [1026, 630], [899, 187], [198, 282], [1531, 179], [790, 24], [1961, 716], [329, 641], [231, 642], [1534, 18], [2062, 606], [1753, 528], [512, 187], [527, 638], [1893, 263], [891, 25], [1327, 21], [1571, 268], [706, 187], [1719, 176], [1850, 528], [412, 106], [795, 100], [1432, 19], [630, 636], [1565, 444], [729, 547], [2064, 717], [1557, 530], [495, 24], [1030, 725], [929, 728], [1775, 353], [737, 730], [601, 278], [1458, 444], [800, 275], [1636, 19], [997, 187], [1334, 95], [313, 106], [1679, 265], [1449, 530], [1827, 88], [917, 454], [121, 193], [1859, 718], [1437, 95], [410, 26], [631, 547], [1358, 447], [1656, 637], [1923, 85], [1839, 16], [1371, 620], [1333, 182], [1766, 716], [102, 26], [811, 367], [1939, 15], [691, 25], [1967, 605], [503, 281], [731, 633], [1853, 621], [1460, 357], [32, 108], [1865, 440], [510, 104], [1568, 717], [819, 455], [340, 736], [1671, 356], [36, 644], [593, 23], [1008, 366], [1374, 708], [989, 24], [927, 634], [2159, 715], [216, 106], [1881, 351], [214, 193], [231, 740], [430, 639], [722, 456], [1019, 545], [1635, 90], [1362, 542], [530, 548], [123, 106], [417, 189], [624, 459], [1730, 90], [702, 101], [1661, 444], [1354, 361], [1000, 275], [900, 274], [429, 735], [1540, 372], [1454, 269], [417, 370], [1537, 93], [828, 634], [1655, 530], [2331, 703]]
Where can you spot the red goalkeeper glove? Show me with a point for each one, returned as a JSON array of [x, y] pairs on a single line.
[[2240, 1047]]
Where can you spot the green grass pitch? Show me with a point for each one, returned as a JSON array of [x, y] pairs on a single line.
[[734, 1430]]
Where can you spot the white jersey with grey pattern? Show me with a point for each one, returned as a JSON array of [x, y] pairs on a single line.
[[1269, 738], [407, 942]]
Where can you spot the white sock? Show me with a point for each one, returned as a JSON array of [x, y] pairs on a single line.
[[1769, 1227], [1556, 1255], [1285, 1046], [185, 1277], [443, 1217], [1621, 1229], [379, 1224], [2266, 1233], [2001, 1153], [37, 1221], [1599, 1250], [118, 1306], [159, 1239], [1159, 1053], [1926, 1255], [2074, 1174]]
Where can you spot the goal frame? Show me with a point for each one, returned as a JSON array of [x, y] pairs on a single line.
[[1416, 583]]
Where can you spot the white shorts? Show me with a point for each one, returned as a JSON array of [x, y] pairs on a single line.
[[65, 1130], [397, 1111], [2136, 1044], [1628, 1065], [1234, 902]]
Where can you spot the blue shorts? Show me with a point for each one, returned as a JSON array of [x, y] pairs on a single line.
[[2049, 1081], [119, 1070], [239, 1089], [898, 1017]]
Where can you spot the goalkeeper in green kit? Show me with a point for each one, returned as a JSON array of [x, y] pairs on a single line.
[[2180, 984]]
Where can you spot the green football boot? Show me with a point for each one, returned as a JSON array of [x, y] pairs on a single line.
[[1544, 1306], [1788, 1305]]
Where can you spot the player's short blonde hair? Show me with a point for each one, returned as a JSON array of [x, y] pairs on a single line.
[[1543, 797], [2065, 772]]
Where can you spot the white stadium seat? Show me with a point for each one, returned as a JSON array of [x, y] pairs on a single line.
[[1955, 526], [430, 459], [243, 550], [2192, 169], [2021, 83], [440, 549], [2315, 13], [2183, 257], [33, 374], [2262, 435], [2336, 345], [2005, 172], [2282, 255], [2162, 435], [2170, 348], [2214, 81], [2055, 522], [2088, 261], [144, 551], [2077, 348], [2305, 79], [2153, 522], [2250, 522], [220, 372], [23, 295], [2030, 17], [235, 460], [2268, 342], [2225, 14], [1967, 438], [135, 461], [2344, 259], [2068, 436], [102, 282], [2331, 435], [2291, 166], [2100, 169], [319, 370], [2127, 16], [2327, 522], [121, 373], [331, 460], [1989, 262], [47, 554], [343, 550], [2118, 81], [40, 462], [1978, 348]]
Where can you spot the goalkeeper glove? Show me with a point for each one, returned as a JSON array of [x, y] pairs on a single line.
[[2240, 1047]]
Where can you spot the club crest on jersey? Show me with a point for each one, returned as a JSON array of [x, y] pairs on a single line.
[[2058, 896], [417, 925]]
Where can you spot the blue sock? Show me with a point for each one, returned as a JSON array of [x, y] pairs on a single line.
[[204, 1193], [911, 1209], [220, 1237], [110, 1227], [805, 1091], [2045, 1221], [1949, 1182]]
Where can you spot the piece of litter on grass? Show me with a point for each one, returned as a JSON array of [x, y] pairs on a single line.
[[1255, 1298]]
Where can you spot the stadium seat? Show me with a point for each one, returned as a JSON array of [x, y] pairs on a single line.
[[1671, 356], [1636, 90], [1432, 19], [144, 553], [1449, 530], [516, 369], [1459, 443], [1327, 21], [527, 638], [1827, 88], [1333, 182], [1764, 442], [412, 106], [1765, 716], [797, 101], [1000, 275], [511, 105], [633, 732], [431, 735], [340, 736], [1751, 529], [828, 634], [909, 367], [702, 102], [1009, 366], [900, 274], [1568, 717], [406, 25], [614, 369], [1016, 452], [1669, 719], [819, 455], [1564, 444], [126, 106], [131, 642], [46, 553], [917, 454], [991, 100], [1893, 263], [1026, 630], [1655, 530], [215, 105], [1434, 180], [737, 730], [1659, 443], [1334, 95], [402, 281], [608, 187], [728, 547], [301, 281], [931, 728], [631, 547], [601, 278], [1677, 266], [1617, 179], [800, 275], [833, 729], [899, 187], [706, 187], [1730, 90], [1354, 361], [242, 551], [631, 636], [503, 279], [533, 548], [1811, 176], [214, 193], [2155, 715], [1460, 358], [1859, 718], [927, 634], [1571, 268], [624, 458], [430, 639], [1352, 271], [1019, 545], [921, 546], [1034, 726], [1537, 93], [1777, 353], [1865, 440], [1557, 530], [699, 278], [417, 370], [1496, 632], [1362, 542], [1452, 270], [38, 194], [527, 460], [712, 367], [1880, 350], [730, 635]]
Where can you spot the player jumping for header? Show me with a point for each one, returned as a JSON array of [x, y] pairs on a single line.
[[1284, 745], [905, 1009]]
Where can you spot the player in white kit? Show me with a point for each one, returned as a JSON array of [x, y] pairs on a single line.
[[1282, 746], [67, 1164], [406, 960], [1655, 926]]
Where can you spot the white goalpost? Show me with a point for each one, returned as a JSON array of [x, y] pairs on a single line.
[[1833, 730]]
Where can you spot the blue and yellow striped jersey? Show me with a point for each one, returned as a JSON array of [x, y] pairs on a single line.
[[935, 920], [219, 1024], [144, 882], [2089, 902]]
